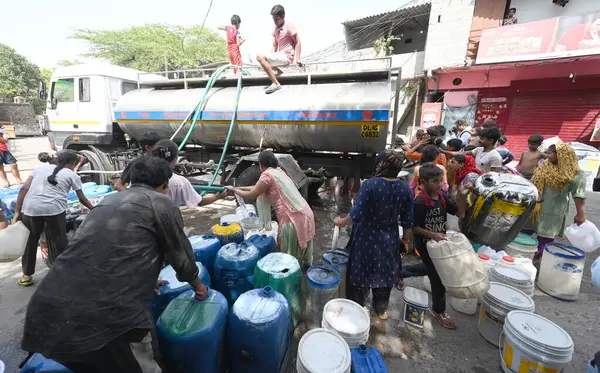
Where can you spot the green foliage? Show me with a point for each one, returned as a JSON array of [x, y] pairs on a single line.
[[46, 75], [18, 76], [150, 47], [383, 46], [68, 62]]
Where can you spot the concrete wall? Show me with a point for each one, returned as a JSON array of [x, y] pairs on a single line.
[[367, 39], [411, 64], [535, 10], [22, 116], [448, 35], [418, 38]]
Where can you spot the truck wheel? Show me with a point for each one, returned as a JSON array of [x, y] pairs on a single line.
[[95, 164]]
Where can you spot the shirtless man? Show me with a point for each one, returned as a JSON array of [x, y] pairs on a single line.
[[531, 158]]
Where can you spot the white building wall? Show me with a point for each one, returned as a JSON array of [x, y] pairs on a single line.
[[448, 35]]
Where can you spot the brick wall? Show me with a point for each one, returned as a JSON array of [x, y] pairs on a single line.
[[448, 34]]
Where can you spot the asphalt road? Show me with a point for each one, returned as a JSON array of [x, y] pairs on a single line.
[[405, 348]]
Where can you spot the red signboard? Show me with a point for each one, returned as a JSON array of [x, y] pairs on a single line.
[[431, 114], [549, 38], [495, 108]]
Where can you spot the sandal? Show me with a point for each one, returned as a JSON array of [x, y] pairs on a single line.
[[383, 316], [25, 283], [444, 319], [272, 88]]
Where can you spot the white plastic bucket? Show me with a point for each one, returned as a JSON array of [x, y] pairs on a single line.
[[348, 319], [416, 303], [561, 271], [495, 305], [531, 343], [466, 306], [514, 277], [524, 245], [323, 351]]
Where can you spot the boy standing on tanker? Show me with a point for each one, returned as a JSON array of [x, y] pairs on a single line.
[[531, 158], [430, 209], [286, 48], [234, 40]]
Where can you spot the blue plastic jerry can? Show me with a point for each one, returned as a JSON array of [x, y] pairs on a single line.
[[367, 360], [37, 363]]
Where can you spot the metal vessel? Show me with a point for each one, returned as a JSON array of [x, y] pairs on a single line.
[[341, 117], [501, 206]]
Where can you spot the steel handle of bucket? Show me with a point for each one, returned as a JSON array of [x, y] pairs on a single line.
[[334, 239]]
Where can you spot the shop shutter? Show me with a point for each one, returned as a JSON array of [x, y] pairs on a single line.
[[571, 115]]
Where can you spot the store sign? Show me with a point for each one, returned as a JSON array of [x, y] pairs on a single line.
[[431, 114], [596, 132], [559, 37], [494, 108]]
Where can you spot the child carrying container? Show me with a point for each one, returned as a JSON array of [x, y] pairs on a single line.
[[430, 209]]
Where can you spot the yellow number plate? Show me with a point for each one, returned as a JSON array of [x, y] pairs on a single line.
[[370, 130]]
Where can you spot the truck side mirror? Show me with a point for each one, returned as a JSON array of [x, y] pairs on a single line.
[[42, 90]]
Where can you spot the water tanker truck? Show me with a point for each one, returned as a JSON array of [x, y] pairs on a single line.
[[322, 124]]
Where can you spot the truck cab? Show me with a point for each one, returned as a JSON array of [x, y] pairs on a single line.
[[81, 101]]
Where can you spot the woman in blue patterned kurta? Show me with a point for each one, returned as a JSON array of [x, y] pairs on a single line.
[[375, 246]]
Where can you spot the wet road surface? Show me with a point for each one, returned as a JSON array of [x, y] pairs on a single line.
[[405, 348]]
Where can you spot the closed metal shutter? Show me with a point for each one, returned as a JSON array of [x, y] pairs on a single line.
[[570, 115]]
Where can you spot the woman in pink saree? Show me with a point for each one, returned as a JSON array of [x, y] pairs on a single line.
[[296, 220]]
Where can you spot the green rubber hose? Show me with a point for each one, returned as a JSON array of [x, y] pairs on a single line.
[[198, 112]]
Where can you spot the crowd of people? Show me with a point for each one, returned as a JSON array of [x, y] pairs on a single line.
[[448, 167], [91, 328], [102, 332]]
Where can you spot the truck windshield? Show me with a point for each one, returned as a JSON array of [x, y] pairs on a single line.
[[63, 90], [128, 87]]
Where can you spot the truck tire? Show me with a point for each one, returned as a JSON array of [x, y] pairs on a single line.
[[96, 164]]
